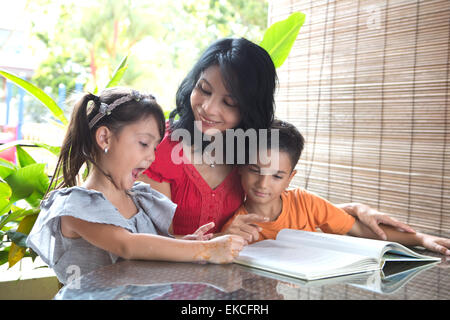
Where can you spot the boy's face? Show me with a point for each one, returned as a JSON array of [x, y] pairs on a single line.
[[264, 183]]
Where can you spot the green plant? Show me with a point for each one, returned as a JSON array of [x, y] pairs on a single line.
[[280, 37], [27, 181]]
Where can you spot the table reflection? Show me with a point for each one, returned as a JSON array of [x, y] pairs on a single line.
[[153, 280]]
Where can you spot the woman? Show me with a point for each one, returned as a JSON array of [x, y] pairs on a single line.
[[231, 86]]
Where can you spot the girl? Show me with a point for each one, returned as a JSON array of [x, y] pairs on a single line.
[[112, 216], [231, 86]]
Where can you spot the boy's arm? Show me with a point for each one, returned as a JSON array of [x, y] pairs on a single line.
[[429, 242]]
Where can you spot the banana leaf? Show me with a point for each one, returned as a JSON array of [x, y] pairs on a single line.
[[280, 37], [38, 94]]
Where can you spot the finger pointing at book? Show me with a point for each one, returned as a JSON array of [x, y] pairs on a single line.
[[245, 226]]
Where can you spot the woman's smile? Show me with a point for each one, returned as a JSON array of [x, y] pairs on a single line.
[[206, 122]]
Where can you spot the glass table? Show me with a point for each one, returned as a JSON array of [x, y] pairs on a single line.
[[151, 280]]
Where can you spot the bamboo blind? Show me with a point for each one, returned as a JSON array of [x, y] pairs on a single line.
[[367, 83]]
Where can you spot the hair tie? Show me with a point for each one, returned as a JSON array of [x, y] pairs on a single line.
[[105, 109], [95, 98]]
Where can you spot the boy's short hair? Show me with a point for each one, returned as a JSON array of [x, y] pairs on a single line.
[[290, 141]]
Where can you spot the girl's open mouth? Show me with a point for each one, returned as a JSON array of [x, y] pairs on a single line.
[[136, 172]]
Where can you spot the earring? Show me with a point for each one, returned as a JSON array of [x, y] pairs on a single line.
[[106, 150]]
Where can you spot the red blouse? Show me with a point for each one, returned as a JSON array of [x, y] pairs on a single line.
[[197, 203]]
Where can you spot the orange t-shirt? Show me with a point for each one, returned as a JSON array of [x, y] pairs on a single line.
[[306, 211]]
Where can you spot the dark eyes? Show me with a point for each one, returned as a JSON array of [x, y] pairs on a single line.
[[203, 90], [228, 101], [229, 104], [145, 145]]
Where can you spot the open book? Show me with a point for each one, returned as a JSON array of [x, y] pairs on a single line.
[[315, 255], [386, 281]]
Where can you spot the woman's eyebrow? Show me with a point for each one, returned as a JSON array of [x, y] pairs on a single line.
[[209, 84], [204, 80]]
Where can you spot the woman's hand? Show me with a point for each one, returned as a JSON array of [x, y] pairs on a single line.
[[436, 244], [372, 218], [244, 226], [222, 249], [200, 233]]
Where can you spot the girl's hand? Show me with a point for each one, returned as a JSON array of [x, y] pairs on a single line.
[[372, 218], [222, 249], [436, 244], [200, 233]]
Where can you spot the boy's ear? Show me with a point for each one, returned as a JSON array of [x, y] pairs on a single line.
[[293, 173], [103, 137]]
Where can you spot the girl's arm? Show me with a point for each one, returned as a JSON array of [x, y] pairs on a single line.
[[127, 245], [429, 242]]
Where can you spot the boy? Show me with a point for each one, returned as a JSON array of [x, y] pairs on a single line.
[[277, 208]]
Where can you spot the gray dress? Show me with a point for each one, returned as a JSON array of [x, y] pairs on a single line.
[[72, 257]]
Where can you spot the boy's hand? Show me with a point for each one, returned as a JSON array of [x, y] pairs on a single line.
[[200, 233], [372, 218], [437, 244], [244, 226]]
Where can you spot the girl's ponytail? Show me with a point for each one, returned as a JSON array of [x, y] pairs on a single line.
[[77, 147]]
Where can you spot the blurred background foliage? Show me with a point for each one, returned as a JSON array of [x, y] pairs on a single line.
[[83, 41], [25, 179]]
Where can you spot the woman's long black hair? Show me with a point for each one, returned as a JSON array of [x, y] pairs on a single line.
[[248, 74]]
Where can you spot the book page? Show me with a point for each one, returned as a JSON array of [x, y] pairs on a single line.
[[303, 260], [360, 246], [378, 249], [397, 252]]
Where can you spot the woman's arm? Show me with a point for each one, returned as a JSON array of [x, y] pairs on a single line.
[[162, 187], [429, 242], [127, 245], [372, 218]]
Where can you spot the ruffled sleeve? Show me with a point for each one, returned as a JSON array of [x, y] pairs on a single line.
[[84, 204], [158, 209]]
